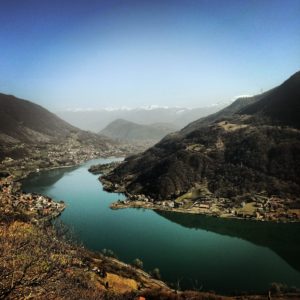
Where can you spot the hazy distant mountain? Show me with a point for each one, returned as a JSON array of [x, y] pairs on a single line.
[[23, 122], [251, 146], [96, 120], [124, 130]]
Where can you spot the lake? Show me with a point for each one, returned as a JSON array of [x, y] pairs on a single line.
[[191, 251]]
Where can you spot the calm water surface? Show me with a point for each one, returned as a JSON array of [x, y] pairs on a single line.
[[195, 251]]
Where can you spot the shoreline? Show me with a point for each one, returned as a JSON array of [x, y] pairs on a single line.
[[263, 208], [37, 208], [14, 186], [156, 207], [24, 176]]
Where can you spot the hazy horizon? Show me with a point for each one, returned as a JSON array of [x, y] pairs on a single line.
[[99, 54]]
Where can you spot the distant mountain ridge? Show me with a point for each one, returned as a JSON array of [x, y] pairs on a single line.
[[248, 147], [124, 130], [96, 120]]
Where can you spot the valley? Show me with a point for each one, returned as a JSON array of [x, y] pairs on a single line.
[[149, 150], [225, 168]]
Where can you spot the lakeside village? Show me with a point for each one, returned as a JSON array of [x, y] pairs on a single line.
[[48, 156], [14, 202], [199, 200]]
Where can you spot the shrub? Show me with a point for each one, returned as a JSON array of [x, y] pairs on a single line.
[[138, 263], [155, 273]]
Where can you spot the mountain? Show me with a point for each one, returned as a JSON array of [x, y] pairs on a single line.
[[124, 130], [282, 105], [96, 120], [226, 112], [252, 146], [25, 125]]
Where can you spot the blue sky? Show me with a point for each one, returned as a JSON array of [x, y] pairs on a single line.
[[96, 54]]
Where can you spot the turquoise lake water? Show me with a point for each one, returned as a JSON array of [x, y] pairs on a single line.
[[192, 251]]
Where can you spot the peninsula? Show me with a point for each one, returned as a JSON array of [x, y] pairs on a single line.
[[240, 162]]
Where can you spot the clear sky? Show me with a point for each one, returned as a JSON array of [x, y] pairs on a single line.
[[95, 54]]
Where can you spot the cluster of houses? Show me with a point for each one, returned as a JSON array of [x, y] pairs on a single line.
[[37, 207], [276, 208], [40, 206], [262, 207], [259, 207], [53, 155]]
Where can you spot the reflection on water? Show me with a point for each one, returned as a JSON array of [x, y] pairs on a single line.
[[43, 182], [284, 239]]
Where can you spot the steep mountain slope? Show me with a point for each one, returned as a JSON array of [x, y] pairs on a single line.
[[28, 130], [282, 105], [24, 121], [226, 112], [125, 130], [231, 153]]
